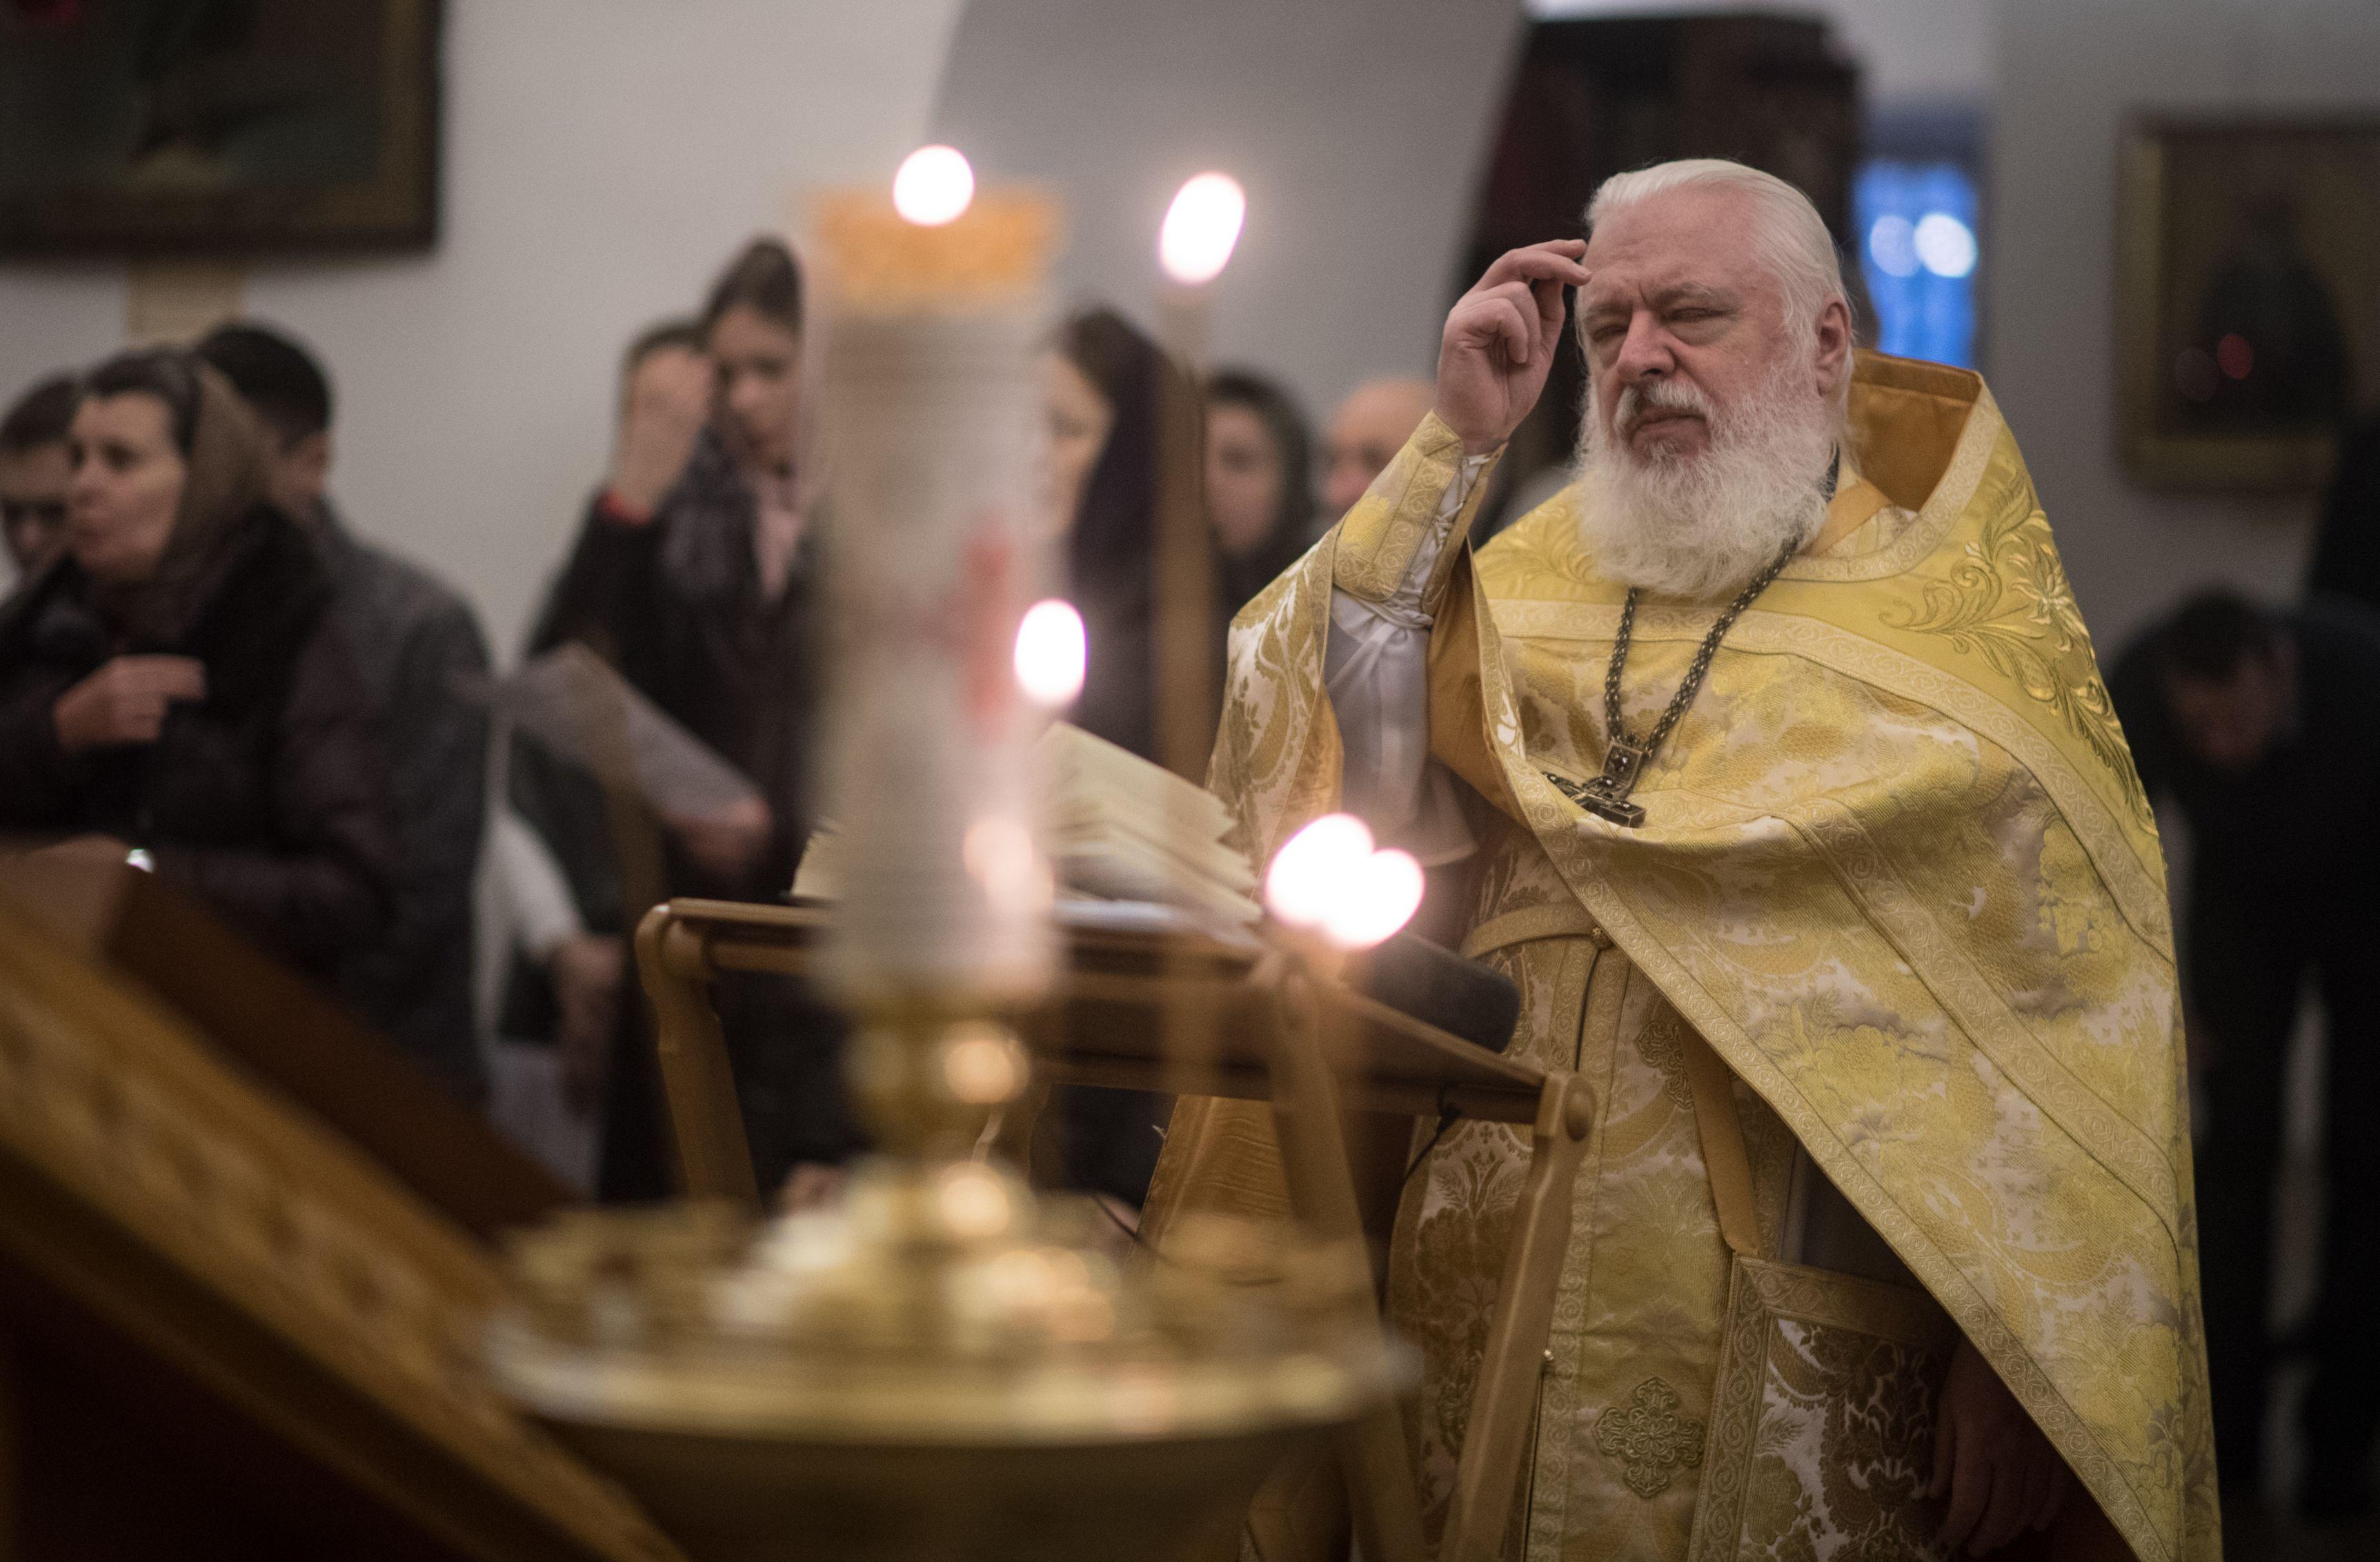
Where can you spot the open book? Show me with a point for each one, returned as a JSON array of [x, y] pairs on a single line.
[[1118, 829]]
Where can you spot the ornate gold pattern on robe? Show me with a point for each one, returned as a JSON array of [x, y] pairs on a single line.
[[1896, 869]]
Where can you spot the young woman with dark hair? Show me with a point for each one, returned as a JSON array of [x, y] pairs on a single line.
[[695, 575], [1108, 386], [1107, 389], [172, 683], [1259, 484]]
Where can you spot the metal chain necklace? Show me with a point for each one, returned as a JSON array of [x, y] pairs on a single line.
[[1625, 758]]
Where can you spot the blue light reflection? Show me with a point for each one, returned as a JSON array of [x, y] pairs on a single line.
[[1918, 247]]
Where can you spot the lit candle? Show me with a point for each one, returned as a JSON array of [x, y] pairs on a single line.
[[935, 318], [1052, 652], [1329, 878], [1194, 245], [1201, 229]]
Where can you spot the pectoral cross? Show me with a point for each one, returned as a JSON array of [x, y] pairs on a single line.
[[1606, 797]]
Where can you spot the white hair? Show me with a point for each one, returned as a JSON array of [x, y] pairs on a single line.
[[1787, 234], [1702, 527]]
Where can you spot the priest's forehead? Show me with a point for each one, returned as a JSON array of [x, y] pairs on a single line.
[[1696, 245]]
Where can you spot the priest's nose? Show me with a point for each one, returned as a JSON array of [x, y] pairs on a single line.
[[1644, 354]]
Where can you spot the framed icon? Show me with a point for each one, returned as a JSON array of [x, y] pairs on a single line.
[[217, 126], [2247, 297]]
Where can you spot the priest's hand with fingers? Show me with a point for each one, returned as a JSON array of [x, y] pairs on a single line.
[[1499, 341], [1998, 1469]]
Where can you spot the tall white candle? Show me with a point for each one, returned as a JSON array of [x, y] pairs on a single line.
[[931, 414]]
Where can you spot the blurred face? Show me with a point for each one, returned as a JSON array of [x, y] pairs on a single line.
[[1243, 477], [1371, 426], [2231, 723], [126, 487], [1078, 418], [297, 475], [757, 363], [1684, 325], [34, 503]]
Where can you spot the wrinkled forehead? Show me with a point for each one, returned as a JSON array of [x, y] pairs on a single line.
[[1679, 241]]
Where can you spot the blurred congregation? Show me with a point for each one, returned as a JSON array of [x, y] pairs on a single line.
[[274, 547], [206, 662]]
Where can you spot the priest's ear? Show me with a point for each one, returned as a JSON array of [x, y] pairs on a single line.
[[1834, 347]]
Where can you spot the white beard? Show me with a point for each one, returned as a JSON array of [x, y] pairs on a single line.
[[1701, 526]]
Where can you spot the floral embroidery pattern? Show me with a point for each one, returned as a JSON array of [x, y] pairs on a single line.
[[1663, 1043], [1650, 1437], [2007, 600]]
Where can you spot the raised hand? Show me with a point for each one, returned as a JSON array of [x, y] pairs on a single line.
[[1499, 341], [727, 844], [668, 401], [124, 703]]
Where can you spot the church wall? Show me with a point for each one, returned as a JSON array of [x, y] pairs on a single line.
[[602, 158], [1358, 127], [2066, 74]]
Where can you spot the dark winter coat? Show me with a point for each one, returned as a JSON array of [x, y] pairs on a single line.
[[417, 648], [676, 606], [266, 799]]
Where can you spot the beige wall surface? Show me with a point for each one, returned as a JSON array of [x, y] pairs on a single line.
[[1359, 128]]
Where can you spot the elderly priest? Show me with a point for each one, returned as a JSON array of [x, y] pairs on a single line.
[[1774, 767]]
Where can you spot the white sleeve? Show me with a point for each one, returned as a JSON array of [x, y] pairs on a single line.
[[1376, 671], [532, 894]]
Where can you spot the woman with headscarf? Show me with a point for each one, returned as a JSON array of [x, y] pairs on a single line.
[[171, 682], [696, 576], [1259, 484], [1108, 387]]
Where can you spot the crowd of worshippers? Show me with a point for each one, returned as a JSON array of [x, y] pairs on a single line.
[[207, 670]]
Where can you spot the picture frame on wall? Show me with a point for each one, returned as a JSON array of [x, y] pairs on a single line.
[[167, 128], [2247, 295]]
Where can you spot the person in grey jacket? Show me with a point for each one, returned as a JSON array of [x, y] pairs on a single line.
[[419, 649]]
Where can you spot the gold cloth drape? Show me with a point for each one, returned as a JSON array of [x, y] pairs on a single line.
[[1897, 869]]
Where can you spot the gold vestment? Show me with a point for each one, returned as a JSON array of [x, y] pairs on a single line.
[[1899, 871]]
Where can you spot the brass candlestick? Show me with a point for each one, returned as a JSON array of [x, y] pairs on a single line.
[[943, 1364]]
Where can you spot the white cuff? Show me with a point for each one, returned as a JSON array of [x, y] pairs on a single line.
[[1375, 672]]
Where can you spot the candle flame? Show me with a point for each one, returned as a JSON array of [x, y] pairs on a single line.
[[1201, 228], [1052, 652], [1328, 876], [1379, 898], [934, 186]]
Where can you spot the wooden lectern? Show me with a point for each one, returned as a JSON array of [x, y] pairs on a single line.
[[227, 1327], [1262, 1027]]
